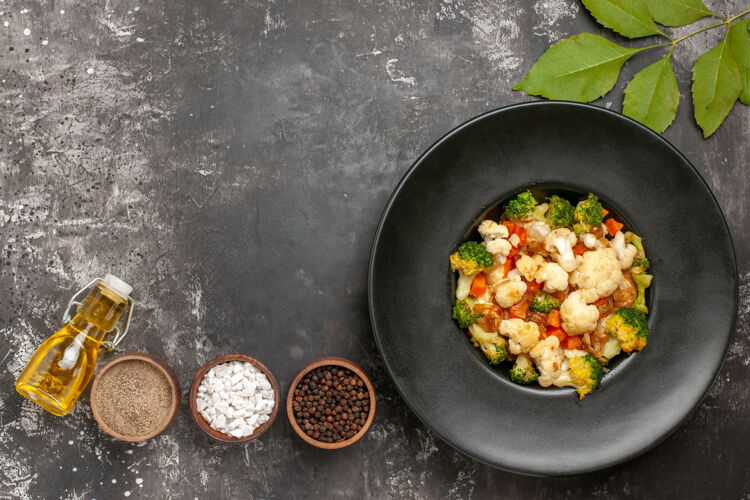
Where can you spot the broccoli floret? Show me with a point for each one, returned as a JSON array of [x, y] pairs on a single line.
[[463, 314], [538, 212], [522, 205], [640, 262], [588, 213], [543, 303], [471, 258], [560, 213], [585, 374], [640, 265], [610, 349], [494, 347], [642, 281], [463, 285], [630, 327], [523, 370]]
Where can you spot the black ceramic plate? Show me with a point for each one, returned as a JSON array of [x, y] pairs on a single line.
[[552, 145]]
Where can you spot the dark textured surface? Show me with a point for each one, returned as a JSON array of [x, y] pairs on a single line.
[[230, 161]]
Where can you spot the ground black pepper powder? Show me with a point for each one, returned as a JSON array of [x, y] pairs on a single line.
[[331, 404], [133, 398]]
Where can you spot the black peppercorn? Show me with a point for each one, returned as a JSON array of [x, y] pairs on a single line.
[[331, 404]]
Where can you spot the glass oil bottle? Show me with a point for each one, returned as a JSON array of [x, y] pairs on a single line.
[[60, 369]]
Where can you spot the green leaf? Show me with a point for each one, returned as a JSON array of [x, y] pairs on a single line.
[[717, 83], [739, 42], [581, 68], [652, 96], [630, 18], [678, 12]]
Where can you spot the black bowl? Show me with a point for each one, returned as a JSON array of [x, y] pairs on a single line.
[[574, 148]]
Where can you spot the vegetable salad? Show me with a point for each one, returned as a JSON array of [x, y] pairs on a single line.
[[556, 289]]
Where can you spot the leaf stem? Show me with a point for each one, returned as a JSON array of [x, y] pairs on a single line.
[[738, 15], [658, 45], [700, 31], [727, 20]]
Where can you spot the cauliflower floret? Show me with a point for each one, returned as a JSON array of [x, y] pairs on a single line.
[[554, 277], [514, 273], [588, 240], [559, 243], [514, 239], [625, 252], [491, 230], [536, 232], [599, 270], [494, 235], [548, 358], [523, 335], [509, 291], [487, 298], [578, 317], [574, 353], [498, 248], [495, 275], [528, 266]]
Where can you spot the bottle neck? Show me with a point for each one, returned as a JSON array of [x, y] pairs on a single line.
[[98, 313], [83, 326], [102, 308]]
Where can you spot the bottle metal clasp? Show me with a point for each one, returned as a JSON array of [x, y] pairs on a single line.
[[119, 334]]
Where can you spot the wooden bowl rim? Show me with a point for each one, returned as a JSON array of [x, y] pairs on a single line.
[[201, 422], [331, 361], [169, 375]]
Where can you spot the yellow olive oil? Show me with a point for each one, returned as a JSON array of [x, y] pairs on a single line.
[[60, 369]]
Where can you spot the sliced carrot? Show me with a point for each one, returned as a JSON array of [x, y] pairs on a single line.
[[553, 318], [557, 332], [601, 301], [533, 287], [612, 226], [519, 310], [572, 342], [511, 226], [604, 212], [507, 266], [478, 285], [521, 233], [579, 248], [513, 251]]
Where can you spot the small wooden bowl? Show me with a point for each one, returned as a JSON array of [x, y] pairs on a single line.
[[201, 422], [157, 363], [343, 363]]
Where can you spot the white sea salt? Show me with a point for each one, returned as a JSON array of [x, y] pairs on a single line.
[[235, 398]]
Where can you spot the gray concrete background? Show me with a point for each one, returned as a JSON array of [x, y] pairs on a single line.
[[231, 160]]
